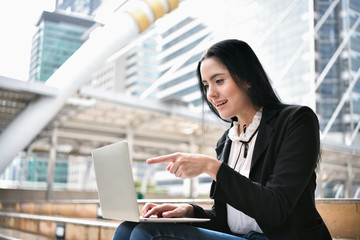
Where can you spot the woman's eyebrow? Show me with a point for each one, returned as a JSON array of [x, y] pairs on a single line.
[[215, 75]]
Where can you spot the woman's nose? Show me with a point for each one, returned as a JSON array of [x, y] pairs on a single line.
[[211, 92]]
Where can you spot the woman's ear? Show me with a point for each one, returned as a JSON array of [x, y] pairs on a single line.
[[247, 85]]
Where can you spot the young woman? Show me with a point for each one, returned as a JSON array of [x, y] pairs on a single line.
[[264, 175]]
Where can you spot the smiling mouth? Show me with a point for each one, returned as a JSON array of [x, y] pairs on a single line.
[[219, 104]]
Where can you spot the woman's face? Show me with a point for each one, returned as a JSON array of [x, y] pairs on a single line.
[[222, 91]]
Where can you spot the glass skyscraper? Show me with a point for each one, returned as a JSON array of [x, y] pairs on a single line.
[[57, 38], [83, 7], [337, 65]]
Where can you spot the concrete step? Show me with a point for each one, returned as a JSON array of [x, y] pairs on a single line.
[[73, 208], [59, 227], [13, 234]]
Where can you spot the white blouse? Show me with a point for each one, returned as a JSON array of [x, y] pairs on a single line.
[[239, 222]]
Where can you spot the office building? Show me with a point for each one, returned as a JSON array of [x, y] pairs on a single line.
[[58, 36], [337, 45], [31, 170], [82, 7], [37, 168]]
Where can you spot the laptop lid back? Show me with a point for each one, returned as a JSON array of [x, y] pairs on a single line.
[[114, 178]]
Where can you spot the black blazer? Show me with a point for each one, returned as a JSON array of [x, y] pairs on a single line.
[[279, 193]]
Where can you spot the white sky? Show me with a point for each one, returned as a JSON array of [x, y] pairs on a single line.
[[17, 26]]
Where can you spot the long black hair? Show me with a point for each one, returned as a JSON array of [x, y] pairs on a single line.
[[244, 67]]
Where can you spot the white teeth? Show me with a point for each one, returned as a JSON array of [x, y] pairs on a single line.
[[221, 103]]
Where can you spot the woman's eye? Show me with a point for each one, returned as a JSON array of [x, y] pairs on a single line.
[[206, 87], [219, 80]]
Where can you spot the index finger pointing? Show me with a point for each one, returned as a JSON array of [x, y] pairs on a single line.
[[161, 159]]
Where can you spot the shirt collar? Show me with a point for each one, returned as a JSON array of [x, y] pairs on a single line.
[[233, 132]]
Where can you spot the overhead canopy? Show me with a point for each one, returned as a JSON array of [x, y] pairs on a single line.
[[91, 118], [16, 95]]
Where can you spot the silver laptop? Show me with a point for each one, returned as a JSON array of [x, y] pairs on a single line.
[[116, 189]]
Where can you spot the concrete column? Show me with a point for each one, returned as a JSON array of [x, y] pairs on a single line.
[[320, 181], [348, 191], [87, 177], [193, 182], [148, 172], [130, 140], [51, 165], [24, 166]]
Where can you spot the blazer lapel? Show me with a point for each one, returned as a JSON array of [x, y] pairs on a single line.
[[262, 141], [223, 151], [266, 129], [226, 152]]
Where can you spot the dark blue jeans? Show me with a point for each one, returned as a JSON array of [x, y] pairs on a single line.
[[174, 231]]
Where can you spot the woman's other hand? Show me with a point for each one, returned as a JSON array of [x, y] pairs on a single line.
[[185, 165], [168, 210]]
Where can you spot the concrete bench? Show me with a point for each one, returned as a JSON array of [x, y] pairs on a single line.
[[342, 217]]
